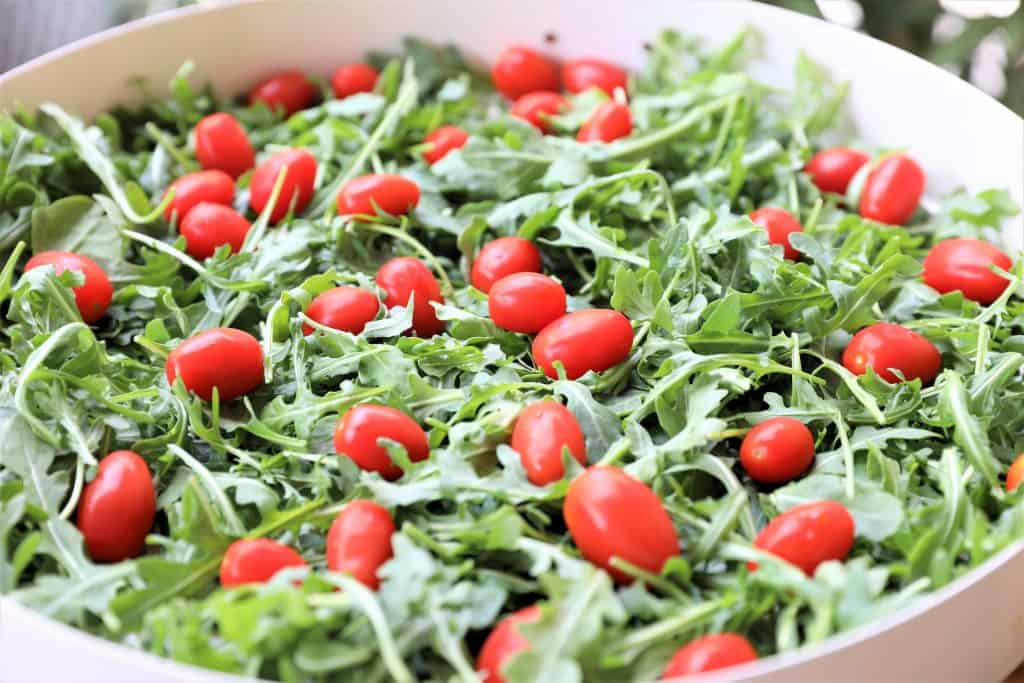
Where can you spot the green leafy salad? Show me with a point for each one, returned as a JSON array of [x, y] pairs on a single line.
[[554, 373]]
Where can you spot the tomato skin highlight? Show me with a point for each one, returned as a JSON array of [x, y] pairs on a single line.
[[359, 429], [570, 340], [223, 145], [526, 302], [884, 346], [611, 514], [710, 653], [343, 308], [809, 534], [393, 194], [536, 107], [116, 510], [216, 187], [227, 359], [403, 276], [359, 541], [892, 190], [582, 74], [779, 224], [297, 185], [503, 642], [964, 264], [288, 90], [256, 560], [833, 169], [777, 450], [442, 141], [93, 296], [519, 70], [209, 226], [610, 121], [349, 79], [1015, 474], [503, 257], [541, 431]]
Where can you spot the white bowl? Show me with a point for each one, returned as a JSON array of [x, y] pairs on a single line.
[[971, 630]]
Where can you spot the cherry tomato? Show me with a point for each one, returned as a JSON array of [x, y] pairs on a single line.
[[404, 276], [359, 429], [520, 70], [442, 141], [611, 514], [288, 90], [223, 358], [892, 190], [582, 74], [359, 541], [833, 169], [885, 347], [709, 653], [593, 339], [343, 308], [777, 450], [526, 302], [93, 296], [256, 560], [504, 256], [117, 508], [504, 642], [809, 534], [208, 226], [610, 121], [965, 264], [297, 186], [350, 79], [779, 224], [393, 194], [1015, 474], [216, 187], [222, 145], [541, 431], [536, 107]]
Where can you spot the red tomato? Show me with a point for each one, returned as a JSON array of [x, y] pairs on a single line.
[[359, 429], [117, 507], [779, 224], [93, 296], [222, 145], [350, 79], [520, 70], [892, 190], [393, 194], [536, 107], [404, 276], [504, 256], [709, 653], [611, 514], [359, 541], [610, 121], [833, 169], [542, 430], [504, 642], [809, 534], [216, 187], [965, 264], [223, 358], [442, 141], [297, 186], [885, 347], [208, 226], [582, 74], [777, 450], [343, 308], [288, 90], [526, 302], [1015, 474], [593, 339], [256, 560]]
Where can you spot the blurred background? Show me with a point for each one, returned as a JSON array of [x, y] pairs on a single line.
[[981, 41]]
